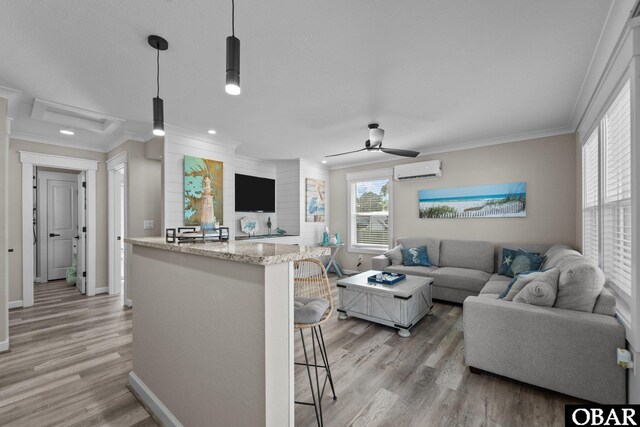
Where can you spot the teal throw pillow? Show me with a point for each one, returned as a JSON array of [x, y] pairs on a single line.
[[415, 256], [516, 261]]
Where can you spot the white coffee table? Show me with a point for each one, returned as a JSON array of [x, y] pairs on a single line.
[[400, 306]]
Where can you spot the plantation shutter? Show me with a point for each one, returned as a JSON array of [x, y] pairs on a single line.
[[371, 214], [590, 198], [617, 191]]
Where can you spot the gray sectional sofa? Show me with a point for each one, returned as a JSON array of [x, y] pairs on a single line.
[[569, 351]]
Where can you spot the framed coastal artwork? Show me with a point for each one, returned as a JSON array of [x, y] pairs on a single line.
[[315, 200], [202, 192], [480, 201]]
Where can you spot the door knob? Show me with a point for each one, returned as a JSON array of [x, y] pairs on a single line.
[[54, 235]]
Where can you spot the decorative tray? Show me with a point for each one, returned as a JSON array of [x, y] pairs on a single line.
[[386, 278]]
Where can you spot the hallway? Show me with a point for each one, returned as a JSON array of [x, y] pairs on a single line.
[[68, 362]]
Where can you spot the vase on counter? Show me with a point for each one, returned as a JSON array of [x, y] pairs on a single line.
[[269, 226]]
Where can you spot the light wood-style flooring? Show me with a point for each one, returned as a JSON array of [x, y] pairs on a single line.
[[68, 362], [70, 356], [382, 379]]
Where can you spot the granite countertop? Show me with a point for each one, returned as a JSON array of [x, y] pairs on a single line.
[[246, 251], [265, 236]]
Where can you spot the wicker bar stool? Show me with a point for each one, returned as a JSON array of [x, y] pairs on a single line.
[[313, 305]]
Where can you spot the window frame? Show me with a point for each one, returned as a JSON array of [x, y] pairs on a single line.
[[623, 297], [352, 180]]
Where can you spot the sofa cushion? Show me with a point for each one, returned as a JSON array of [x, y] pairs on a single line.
[[540, 291], [395, 255], [579, 286], [470, 254], [433, 246], [561, 256], [499, 278], [412, 271], [412, 257], [606, 303], [494, 287], [516, 261], [460, 278]]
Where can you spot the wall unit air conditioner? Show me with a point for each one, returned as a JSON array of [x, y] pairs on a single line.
[[432, 168]]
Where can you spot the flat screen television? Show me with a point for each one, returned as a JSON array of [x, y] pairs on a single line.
[[255, 194]]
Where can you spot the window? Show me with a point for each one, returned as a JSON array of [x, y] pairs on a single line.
[[606, 190], [369, 213]]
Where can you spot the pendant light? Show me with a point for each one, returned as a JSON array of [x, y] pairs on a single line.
[[158, 43], [233, 57]]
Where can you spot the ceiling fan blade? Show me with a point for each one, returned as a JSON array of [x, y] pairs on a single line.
[[398, 152], [348, 152]]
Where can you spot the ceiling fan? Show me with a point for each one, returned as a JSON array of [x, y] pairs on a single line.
[[374, 143]]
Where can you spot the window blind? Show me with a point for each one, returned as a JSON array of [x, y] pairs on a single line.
[[616, 126], [590, 198]]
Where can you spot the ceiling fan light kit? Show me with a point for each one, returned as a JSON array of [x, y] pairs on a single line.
[[158, 43], [374, 143]]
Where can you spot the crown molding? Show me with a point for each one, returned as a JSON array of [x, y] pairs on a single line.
[[201, 136], [53, 141], [473, 144], [128, 136]]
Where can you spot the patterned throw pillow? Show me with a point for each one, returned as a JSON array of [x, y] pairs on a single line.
[[415, 256], [515, 261]]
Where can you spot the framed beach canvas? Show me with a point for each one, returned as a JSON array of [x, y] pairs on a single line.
[[202, 192], [315, 200], [480, 201]]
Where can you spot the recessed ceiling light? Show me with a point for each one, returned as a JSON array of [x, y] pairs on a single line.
[[324, 161], [67, 131], [212, 131]]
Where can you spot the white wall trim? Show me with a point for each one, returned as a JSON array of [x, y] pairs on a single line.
[[53, 141], [118, 162], [29, 160], [151, 402], [62, 162], [102, 290], [15, 304], [4, 345]]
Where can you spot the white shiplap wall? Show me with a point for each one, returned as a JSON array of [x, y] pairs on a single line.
[[176, 146], [311, 232], [262, 169], [288, 200]]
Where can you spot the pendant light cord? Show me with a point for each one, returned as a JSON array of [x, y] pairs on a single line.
[[158, 74], [233, 17]]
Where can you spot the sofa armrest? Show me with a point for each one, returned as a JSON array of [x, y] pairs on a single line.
[[568, 351], [380, 262]]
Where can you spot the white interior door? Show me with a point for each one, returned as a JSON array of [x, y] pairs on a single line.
[[81, 233], [61, 226]]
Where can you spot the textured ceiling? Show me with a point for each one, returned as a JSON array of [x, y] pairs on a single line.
[[314, 73]]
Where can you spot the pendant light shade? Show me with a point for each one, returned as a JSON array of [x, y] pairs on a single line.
[[158, 116], [233, 66], [233, 57], [159, 44]]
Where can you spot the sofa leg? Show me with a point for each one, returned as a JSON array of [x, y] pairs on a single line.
[[476, 370]]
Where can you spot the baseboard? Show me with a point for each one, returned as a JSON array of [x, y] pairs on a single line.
[[151, 402], [4, 345], [15, 304], [128, 302], [103, 290]]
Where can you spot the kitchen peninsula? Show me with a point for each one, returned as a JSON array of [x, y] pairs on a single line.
[[213, 330]]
